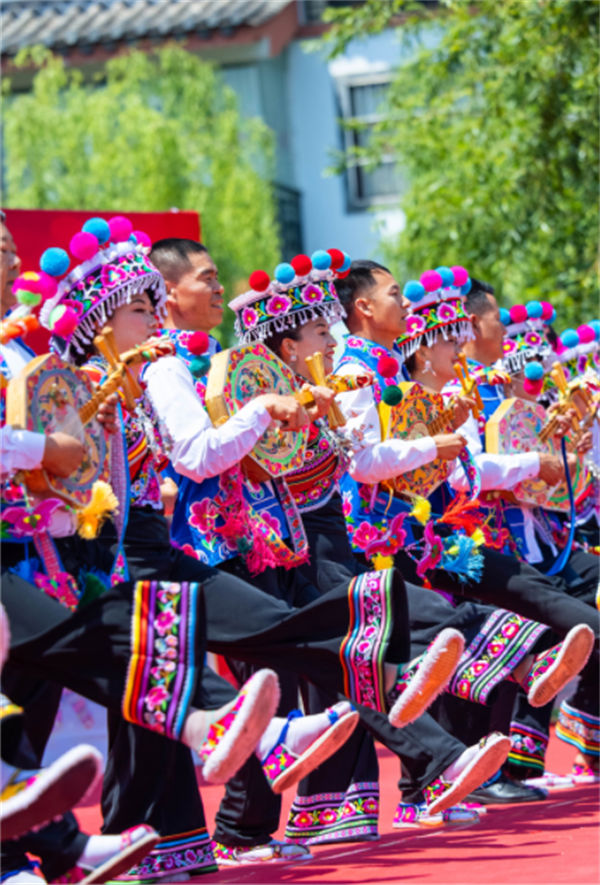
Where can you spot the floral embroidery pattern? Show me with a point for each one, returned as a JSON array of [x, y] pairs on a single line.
[[162, 668], [180, 853], [362, 652], [528, 747], [327, 817], [582, 730]]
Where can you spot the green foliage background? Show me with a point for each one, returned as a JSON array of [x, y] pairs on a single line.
[[496, 128], [155, 132]]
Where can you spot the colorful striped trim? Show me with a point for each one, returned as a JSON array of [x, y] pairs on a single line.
[[162, 669], [335, 817], [362, 652], [528, 747], [182, 853], [579, 729], [501, 644]]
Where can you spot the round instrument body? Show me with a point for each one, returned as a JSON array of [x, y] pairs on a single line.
[[514, 428], [45, 398], [237, 376], [410, 419]]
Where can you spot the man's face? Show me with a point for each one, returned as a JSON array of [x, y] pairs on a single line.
[[489, 332], [10, 266], [385, 305], [195, 303]]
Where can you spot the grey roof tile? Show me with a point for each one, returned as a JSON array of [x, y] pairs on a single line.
[[59, 23]]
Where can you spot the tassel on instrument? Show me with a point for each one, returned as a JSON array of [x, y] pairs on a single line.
[[421, 510], [102, 503]]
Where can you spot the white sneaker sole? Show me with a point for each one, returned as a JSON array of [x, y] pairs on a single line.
[[486, 763], [571, 659]]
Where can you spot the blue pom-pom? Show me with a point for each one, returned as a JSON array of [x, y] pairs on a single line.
[[99, 228], [321, 259], [570, 338], [553, 317], [55, 262], [347, 262], [504, 316], [466, 287], [446, 275], [534, 309], [534, 371], [284, 273], [414, 290], [595, 324]]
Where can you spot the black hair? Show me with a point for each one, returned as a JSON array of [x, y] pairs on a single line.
[[359, 280], [477, 300], [2, 216], [410, 363], [274, 341], [171, 256]]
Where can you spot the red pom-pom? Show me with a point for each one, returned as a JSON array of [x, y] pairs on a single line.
[[431, 280], [302, 265], [142, 238], [337, 258], [66, 323], [518, 313], [586, 334], [547, 310], [120, 229], [533, 387], [198, 343], [259, 280], [340, 274], [83, 245], [460, 275], [387, 366], [47, 285]]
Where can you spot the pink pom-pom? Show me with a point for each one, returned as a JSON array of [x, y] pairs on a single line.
[[533, 387], [142, 238], [83, 245], [431, 280], [559, 347], [198, 343], [387, 366], [259, 280], [29, 281], [65, 324], [586, 334], [547, 310], [120, 228], [460, 275], [47, 286], [518, 313]]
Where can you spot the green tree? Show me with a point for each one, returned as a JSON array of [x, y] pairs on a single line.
[[154, 132], [495, 127]]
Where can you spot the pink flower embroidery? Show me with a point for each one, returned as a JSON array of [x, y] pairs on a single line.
[[165, 621], [156, 696], [446, 313], [346, 504], [203, 515], [415, 325], [509, 346], [277, 305], [272, 521], [432, 553], [249, 317], [312, 294], [27, 522], [364, 534]]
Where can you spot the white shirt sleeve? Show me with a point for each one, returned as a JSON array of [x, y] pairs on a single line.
[[372, 459], [21, 450], [200, 450], [499, 472]]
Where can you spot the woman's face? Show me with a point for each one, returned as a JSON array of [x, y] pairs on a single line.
[[134, 322], [442, 356], [314, 336]]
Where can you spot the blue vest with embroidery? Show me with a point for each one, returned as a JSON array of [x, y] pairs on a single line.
[[366, 505], [196, 519]]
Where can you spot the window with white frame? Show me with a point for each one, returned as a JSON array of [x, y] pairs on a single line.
[[361, 99]]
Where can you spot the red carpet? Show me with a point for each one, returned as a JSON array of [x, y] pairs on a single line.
[[542, 843]]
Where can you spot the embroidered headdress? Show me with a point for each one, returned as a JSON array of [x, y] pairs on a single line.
[[526, 347], [114, 267], [578, 349], [437, 308], [301, 291]]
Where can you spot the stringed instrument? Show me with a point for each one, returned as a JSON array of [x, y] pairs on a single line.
[[49, 395]]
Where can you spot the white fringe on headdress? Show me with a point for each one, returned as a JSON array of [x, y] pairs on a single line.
[[332, 312], [461, 330]]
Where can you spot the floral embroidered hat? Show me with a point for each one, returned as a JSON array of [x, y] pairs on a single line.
[[436, 308], [76, 300], [300, 291], [579, 349], [526, 347]]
